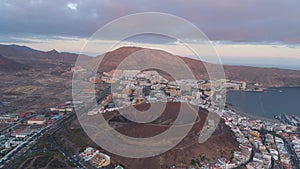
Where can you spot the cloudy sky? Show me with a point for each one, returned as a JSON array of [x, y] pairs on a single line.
[[244, 31]]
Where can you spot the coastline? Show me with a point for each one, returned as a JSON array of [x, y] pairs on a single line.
[[251, 116], [285, 91]]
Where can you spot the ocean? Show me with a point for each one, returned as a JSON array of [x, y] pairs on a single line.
[[267, 104]]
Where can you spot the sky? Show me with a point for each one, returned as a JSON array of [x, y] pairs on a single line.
[[248, 32]]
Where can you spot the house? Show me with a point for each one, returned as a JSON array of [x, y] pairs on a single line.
[[7, 118], [100, 160], [39, 121]]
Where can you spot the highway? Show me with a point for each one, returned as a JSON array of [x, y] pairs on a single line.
[[49, 130]]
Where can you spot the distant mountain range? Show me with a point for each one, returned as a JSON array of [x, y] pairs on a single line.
[[17, 58], [28, 55]]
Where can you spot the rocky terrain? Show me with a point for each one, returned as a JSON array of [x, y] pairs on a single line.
[[221, 144], [8, 65], [33, 80], [267, 77]]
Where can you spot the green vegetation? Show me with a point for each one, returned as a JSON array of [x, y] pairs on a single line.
[[194, 162]]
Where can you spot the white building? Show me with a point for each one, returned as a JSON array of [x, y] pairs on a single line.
[[39, 121]]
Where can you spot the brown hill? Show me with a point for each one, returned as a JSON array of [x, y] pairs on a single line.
[[221, 144], [28, 55], [268, 77], [10, 65]]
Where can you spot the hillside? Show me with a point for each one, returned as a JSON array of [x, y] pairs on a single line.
[[10, 65], [268, 77], [222, 142], [28, 55]]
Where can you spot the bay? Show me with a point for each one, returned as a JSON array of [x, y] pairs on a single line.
[[267, 104]]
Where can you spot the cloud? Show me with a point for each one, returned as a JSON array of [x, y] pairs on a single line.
[[72, 6], [252, 53], [231, 20]]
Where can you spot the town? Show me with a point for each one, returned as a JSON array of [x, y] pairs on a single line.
[[20, 131], [262, 144]]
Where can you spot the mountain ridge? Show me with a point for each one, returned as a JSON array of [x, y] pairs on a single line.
[[267, 77], [24, 53], [9, 65]]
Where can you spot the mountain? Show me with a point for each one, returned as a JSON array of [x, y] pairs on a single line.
[[28, 55], [267, 77], [8, 65]]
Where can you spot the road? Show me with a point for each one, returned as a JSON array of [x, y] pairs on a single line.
[[56, 126], [295, 163]]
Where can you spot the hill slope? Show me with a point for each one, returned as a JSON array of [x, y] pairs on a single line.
[[268, 77], [29, 55], [10, 65]]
